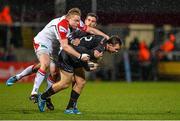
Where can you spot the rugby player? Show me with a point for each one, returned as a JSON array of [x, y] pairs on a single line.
[[68, 65]]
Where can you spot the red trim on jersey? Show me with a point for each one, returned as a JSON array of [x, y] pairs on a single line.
[[65, 24], [35, 45]]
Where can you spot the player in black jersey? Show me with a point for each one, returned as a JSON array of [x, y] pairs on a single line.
[[71, 66]]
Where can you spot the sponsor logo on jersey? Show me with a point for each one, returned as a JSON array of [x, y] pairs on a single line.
[[62, 29]]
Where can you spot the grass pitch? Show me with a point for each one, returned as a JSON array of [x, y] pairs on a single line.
[[103, 100]]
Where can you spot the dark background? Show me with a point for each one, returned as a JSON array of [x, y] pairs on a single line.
[[157, 12]]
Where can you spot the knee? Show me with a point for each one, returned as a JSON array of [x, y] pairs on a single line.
[[45, 65], [81, 83]]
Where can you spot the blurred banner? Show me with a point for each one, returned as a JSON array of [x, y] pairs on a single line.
[[169, 68], [8, 69]]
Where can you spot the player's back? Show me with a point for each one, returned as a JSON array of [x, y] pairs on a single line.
[[88, 44], [91, 41]]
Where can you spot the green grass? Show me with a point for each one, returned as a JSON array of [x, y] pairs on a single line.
[[98, 101]]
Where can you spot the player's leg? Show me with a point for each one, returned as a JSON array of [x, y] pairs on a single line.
[[58, 86], [73, 81], [26, 72], [49, 103], [44, 60], [53, 77], [54, 72], [43, 50], [79, 76]]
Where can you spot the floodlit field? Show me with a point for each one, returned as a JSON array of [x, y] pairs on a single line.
[[98, 101]]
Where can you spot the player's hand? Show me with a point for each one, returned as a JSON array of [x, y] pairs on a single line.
[[84, 57], [107, 37], [98, 54], [76, 42], [93, 66]]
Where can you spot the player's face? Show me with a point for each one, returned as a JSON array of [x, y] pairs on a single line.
[[90, 21], [74, 21], [113, 48]]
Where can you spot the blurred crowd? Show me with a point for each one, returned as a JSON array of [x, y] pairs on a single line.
[[144, 59]]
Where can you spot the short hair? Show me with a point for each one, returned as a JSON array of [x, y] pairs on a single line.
[[114, 40], [74, 11], [92, 15]]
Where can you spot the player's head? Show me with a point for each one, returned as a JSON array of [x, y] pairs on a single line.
[[113, 44], [73, 17], [91, 20]]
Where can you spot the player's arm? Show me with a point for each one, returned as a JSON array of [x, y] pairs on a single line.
[[66, 47], [62, 32], [96, 32], [94, 53], [90, 65], [91, 30], [98, 51]]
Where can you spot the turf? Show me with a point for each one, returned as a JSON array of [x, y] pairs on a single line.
[[103, 100]]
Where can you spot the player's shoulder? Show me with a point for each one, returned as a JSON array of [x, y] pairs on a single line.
[[96, 38], [63, 22]]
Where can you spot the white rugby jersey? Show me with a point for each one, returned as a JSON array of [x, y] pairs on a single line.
[[56, 29]]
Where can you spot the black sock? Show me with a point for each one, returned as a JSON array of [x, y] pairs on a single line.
[[48, 93], [73, 99]]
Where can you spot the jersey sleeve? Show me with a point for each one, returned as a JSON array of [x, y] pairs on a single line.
[[62, 29], [82, 26], [82, 49], [101, 45]]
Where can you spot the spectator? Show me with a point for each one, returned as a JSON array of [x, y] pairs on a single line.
[[134, 63], [166, 47], [144, 58], [5, 22], [134, 45], [5, 17]]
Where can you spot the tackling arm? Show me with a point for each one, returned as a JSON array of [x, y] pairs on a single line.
[[96, 32], [66, 47]]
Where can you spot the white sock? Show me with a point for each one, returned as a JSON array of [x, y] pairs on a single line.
[[27, 71], [40, 75]]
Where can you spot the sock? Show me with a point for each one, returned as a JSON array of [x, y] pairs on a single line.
[[40, 75], [73, 99], [48, 93], [27, 71], [50, 82]]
